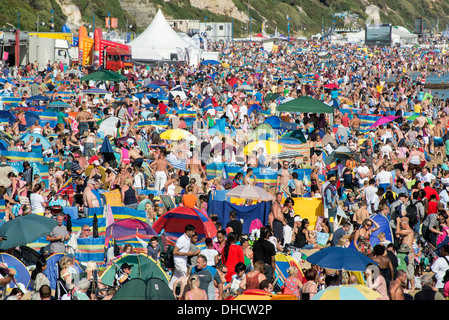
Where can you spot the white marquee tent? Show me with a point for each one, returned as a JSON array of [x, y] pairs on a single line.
[[160, 42]]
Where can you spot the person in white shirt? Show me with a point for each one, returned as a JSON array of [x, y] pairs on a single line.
[[230, 112], [370, 193], [426, 176], [384, 178], [180, 254], [362, 172], [440, 266], [210, 253]]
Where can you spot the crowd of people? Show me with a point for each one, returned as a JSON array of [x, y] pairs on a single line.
[[398, 169]]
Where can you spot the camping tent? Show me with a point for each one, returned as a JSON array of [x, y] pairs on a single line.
[[175, 220], [160, 42]]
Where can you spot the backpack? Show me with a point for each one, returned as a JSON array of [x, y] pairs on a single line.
[[412, 213]]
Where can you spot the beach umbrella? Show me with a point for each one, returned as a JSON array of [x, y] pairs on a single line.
[[209, 62], [25, 229], [155, 87], [74, 71], [178, 91], [383, 120], [347, 292], [177, 134], [139, 289], [159, 82], [143, 267], [59, 104], [249, 192], [38, 97], [270, 147], [331, 86], [244, 87], [22, 274], [104, 75], [411, 118], [95, 91], [340, 258]]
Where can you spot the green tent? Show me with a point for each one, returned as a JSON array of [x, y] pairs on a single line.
[[262, 132], [144, 268], [305, 104], [104, 75], [139, 289]]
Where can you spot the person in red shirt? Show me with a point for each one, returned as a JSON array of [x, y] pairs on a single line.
[[162, 110], [432, 206], [345, 120], [429, 191]]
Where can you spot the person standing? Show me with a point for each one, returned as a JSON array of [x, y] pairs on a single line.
[[207, 276], [58, 236], [278, 221], [180, 254], [160, 167], [330, 200], [265, 251], [232, 254], [441, 266]]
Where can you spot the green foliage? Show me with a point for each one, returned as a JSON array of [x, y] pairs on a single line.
[[309, 14]]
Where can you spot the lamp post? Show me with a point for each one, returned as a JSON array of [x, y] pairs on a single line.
[[52, 21], [288, 27], [18, 20], [109, 20]]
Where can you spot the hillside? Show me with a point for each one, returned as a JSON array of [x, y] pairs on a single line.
[[307, 17]]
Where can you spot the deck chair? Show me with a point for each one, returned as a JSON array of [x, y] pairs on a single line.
[[143, 145], [169, 203]]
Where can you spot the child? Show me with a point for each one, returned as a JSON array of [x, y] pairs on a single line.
[[210, 253], [154, 249], [292, 284], [382, 239], [237, 278]]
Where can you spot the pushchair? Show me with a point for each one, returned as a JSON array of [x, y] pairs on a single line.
[[428, 252]]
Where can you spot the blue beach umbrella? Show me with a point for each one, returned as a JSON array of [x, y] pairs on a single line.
[[340, 258]]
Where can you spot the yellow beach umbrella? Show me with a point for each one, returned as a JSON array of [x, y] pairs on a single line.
[[177, 134], [270, 147]]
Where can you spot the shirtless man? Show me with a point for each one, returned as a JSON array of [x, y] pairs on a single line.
[[396, 292], [83, 118], [404, 230], [437, 132], [90, 200], [283, 176], [159, 166], [249, 178], [136, 157], [195, 168], [278, 221], [361, 214]]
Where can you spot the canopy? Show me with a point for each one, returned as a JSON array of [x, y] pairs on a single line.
[[158, 42], [104, 75], [263, 131], [305, 104]]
